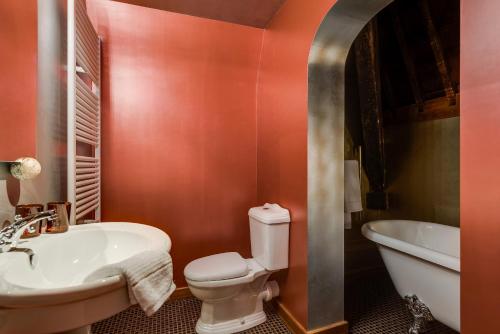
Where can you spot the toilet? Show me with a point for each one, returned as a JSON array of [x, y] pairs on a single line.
[[232, 289]]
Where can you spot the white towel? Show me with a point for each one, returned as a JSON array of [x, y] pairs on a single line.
[[352, 191], [347, 220], [149, 278]]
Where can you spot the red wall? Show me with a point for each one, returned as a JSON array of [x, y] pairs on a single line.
[[18, 58], [169, 76], [282, 132], [480, 166], [179, 113]]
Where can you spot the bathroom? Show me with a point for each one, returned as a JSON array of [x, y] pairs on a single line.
[[204, 110]]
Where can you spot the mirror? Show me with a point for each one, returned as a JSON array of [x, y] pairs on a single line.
[[18, 83], [33, 99]]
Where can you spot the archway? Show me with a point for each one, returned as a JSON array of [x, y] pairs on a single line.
[[325, 202]]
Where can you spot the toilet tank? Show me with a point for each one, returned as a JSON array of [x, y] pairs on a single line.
[[269, 230]]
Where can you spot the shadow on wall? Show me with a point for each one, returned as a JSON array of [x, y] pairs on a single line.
[[424, 170], [422, 163]]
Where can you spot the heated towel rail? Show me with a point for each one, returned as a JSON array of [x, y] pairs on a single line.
[[84, 114]]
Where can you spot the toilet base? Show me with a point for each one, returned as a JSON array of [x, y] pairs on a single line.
[[231, 326]]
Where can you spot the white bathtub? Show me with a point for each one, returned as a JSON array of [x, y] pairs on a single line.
[[423, 259]]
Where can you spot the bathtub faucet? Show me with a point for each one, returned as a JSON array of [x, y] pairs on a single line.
[[10, 235]]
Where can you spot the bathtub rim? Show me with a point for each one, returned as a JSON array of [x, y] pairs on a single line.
[[428, 254]]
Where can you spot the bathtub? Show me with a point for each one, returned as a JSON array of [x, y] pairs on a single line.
[[423, 259]]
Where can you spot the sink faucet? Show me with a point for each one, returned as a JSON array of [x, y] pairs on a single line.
[[10, 235]]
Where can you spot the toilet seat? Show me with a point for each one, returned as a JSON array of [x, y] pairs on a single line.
[[253, 270], [217, 267]]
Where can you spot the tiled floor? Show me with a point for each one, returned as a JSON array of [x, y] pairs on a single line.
[[373, 306], [177, 317]]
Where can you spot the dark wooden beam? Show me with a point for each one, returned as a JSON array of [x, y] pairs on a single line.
[[367, 65], [388, 91], [437, 49], [408, 59], [438, 108]]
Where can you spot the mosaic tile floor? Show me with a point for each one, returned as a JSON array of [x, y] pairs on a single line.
[[373, 306], [177, 317]]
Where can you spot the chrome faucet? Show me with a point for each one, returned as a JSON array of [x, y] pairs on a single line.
[[10, 235]]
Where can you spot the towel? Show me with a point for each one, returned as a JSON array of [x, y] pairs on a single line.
[[347, 220], [149, 278], [352, 191]]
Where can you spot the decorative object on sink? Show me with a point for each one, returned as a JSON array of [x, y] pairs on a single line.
[[25, 210], [25, 168], [61, 224]]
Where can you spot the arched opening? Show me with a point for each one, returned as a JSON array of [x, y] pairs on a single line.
[[326, 154], [326, 101]]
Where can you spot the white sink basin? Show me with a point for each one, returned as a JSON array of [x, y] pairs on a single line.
[[53, 296]]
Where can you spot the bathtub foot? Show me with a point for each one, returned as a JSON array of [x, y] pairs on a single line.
[[421, 314]]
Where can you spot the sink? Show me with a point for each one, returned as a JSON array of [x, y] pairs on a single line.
[[52, 296]]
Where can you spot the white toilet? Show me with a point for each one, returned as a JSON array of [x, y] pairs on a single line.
[[232, 288]]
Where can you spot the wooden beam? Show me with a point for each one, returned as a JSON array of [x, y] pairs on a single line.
[[437, 49], [408, 59], [367, 66], [438, 108], [388, 92]]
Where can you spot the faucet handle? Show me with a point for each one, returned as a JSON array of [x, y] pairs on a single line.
[[53, 215]]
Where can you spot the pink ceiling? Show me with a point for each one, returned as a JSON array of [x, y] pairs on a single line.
[[256, 13]]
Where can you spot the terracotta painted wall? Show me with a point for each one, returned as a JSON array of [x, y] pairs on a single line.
[[282, 132], [202, 76], [179, 116], [18, 59], [181, 71], [480, 166]]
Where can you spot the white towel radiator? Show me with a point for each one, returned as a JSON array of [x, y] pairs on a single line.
[[84, 114]]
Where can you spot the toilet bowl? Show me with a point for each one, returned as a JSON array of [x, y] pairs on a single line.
[[232, 289]]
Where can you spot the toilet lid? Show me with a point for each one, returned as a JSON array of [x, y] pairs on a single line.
[[217, 267]]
